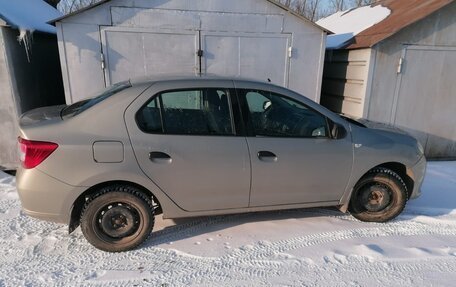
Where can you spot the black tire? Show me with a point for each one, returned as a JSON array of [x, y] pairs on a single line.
[[379, 196], [118, 218]]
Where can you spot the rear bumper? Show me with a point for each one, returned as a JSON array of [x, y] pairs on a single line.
[[45, 197], [417, 173]]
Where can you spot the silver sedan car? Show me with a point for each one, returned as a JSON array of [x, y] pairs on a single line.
[[198, 146]]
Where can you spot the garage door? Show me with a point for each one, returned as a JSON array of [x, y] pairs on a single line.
[[426, 98], [132, 52], [257, 56]]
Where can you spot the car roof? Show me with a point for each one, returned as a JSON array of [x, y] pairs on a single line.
[[170, 78]]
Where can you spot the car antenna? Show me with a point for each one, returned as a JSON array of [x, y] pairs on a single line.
[[269, 80]]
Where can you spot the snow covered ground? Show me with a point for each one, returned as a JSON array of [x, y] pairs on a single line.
[[316, 247]]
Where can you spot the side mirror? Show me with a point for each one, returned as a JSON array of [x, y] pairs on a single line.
[[338, 131]]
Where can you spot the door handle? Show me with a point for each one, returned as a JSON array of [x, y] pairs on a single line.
[[266, 156], [160, 157]]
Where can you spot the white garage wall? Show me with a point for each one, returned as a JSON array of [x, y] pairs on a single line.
[[419, 104], [80, 40]]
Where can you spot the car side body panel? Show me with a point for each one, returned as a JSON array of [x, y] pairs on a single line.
[[72, 169], [299, 173], [303, 170], [374, 147]]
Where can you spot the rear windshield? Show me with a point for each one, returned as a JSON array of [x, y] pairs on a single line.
[[79, 107]]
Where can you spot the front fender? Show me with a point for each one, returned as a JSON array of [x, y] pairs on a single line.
[[373, 148]]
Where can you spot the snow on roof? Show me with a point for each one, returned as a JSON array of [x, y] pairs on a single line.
[[28, 15], [351, 22], [338, 41]]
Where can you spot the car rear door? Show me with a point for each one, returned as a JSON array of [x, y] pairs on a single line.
[[294, 160], [185, 139]]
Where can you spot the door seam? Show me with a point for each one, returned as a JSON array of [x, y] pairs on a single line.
[[251, 172]]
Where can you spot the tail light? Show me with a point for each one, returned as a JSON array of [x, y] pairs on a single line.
[[32, 153]]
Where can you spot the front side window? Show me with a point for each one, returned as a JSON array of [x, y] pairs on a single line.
[[189, 112], [278, 116]]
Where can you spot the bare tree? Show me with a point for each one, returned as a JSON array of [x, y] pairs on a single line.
[[308, 8], [287, 3], [338, 5], [301, 7], [359, 3], [313, 10], [68, 6]]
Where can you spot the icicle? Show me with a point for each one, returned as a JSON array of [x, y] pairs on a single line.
[[26, 37]]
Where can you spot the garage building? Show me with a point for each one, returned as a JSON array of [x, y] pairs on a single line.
[[115, 40], [400, 71], [30, 74]]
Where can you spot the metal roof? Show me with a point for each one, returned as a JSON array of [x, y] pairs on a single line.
[[28, 15], [403, 14], [271, 1]]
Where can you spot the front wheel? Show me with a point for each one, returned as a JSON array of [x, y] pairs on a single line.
[[118, 218], [379, 196]]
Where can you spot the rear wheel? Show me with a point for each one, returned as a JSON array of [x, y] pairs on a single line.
[[379, 196], [118, 218]]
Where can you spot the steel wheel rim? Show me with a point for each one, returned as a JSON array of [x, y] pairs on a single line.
[[375, 197], [116, 221]]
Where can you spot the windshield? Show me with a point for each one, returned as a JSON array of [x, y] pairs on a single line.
[[79, 107], [353, 121]]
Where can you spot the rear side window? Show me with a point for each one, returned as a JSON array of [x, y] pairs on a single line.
[[189, 112], [79, 107]]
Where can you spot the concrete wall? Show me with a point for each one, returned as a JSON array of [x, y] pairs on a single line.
[[424, 104], [8, 113], [80, 43], [25, 83], [346, 80]]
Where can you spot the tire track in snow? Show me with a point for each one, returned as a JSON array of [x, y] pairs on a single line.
[[173, 233], [38, 253], [258, 263]]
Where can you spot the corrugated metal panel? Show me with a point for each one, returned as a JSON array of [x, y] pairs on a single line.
[[345, 81], [403, 14]]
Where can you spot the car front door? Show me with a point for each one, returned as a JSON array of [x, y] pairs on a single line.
[[294, 159], [186, 142]]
